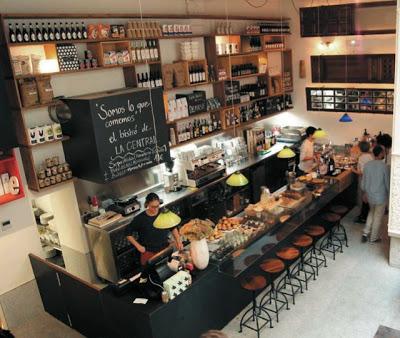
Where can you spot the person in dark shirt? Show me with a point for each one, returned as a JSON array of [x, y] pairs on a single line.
[[150, 239]]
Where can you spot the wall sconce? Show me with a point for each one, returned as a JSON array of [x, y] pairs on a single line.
[[302, 69], [326, 44]]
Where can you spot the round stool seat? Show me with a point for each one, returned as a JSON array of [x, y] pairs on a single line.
[[288, 253], [315, 230], [303, 241], [253, 283], [331, 217], [272, 265], [339, 209]]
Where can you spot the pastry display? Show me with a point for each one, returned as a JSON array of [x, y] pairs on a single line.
[[292, 194], [227, 224], [197, 229], [215, 235], [318, 181], [297, 186]]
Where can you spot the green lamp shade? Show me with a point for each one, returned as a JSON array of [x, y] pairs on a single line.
[[237, 180], [286, 153], [320, 133], [166, 220]]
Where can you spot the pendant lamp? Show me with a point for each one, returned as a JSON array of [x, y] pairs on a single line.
[[166, 220], [320, 133], [237, 179], [286, 152], [346, 118]]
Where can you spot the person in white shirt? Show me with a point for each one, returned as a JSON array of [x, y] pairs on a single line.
[[307, 158]]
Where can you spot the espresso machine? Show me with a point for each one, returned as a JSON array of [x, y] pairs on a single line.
[[202, 166]]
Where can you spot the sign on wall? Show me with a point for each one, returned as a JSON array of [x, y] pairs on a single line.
[[11, 187], [115, 134]]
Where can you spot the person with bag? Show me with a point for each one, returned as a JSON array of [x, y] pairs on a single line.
[[375, 184]]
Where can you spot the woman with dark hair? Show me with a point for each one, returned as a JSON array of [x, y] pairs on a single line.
[[385, 141], [150, 239], [307, 157]]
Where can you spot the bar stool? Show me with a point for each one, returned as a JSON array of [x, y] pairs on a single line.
[[289, 255], [339, 229], [273, 267], [254, 283], [303, 242], [331, 243], [316, 232]]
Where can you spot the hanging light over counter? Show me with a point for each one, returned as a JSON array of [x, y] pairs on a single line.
[[237, 179], [166, 220]]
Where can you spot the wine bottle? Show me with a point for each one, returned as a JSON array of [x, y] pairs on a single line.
[[155, 50], [63, 33], [25, 33], [146, 50], [57, 34], [133, 52], [84, 31], [151, 50], [18, 33], [39, 35], [68, 31], [138, 52], [45, 33], [142, 51], [139, 81], [32, 33], [12, 34], [152, 81], [78, 31], [73, 32], [51, 32]]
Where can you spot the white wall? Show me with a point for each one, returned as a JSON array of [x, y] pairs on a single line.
[[303, 48], [17, 242]]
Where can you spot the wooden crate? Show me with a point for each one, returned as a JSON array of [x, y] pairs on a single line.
[[98, 49]]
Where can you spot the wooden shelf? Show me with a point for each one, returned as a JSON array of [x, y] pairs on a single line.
[[267, 34], [42, 105], [71, 180], [242, 54], [248, 123], [65, 138], [188, 86], [58, 42], [126, 65], [214, 133], [54, 246], [169, 37], [191, 116], [246, 76]]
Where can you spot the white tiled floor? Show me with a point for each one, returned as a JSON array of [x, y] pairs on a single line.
[[351, 298]]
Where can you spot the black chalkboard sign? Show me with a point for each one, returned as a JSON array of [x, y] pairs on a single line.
[[197, 102], [116, 133]]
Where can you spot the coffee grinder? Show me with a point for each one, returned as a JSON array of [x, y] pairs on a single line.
[[171, 179]]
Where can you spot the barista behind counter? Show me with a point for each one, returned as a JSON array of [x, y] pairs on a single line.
[[150, 239], [307, 156]]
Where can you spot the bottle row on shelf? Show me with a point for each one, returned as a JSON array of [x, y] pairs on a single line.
[[195, 129], [144, 50], [244, 69], [197, 74], [149, 80], [35, 32]]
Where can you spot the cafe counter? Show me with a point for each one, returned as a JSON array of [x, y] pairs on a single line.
[[214, 298]]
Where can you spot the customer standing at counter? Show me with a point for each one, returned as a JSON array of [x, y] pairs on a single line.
[[363, 159], [307, 158], [375, 184], [385, 141], [150, 239]]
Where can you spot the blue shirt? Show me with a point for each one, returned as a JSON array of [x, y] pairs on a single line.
[[375, 182]]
